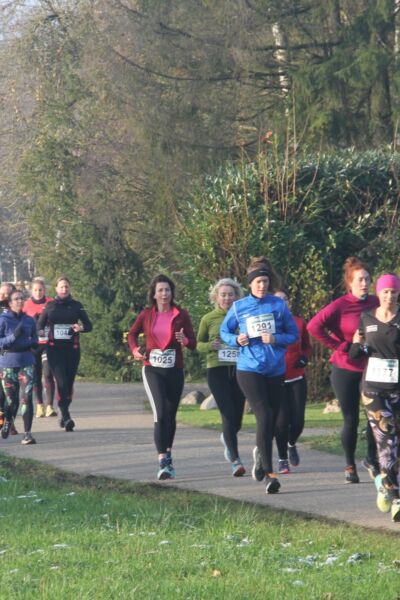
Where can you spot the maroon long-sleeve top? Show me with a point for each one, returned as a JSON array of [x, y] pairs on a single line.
[[144, 324], [335, 325]]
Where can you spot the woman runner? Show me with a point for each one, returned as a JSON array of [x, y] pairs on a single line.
[[34, 307], [221, 369], [334, 326], [378, 337], [266, 328], [17, 337], [65, 319], [167, 329], [290, 421]]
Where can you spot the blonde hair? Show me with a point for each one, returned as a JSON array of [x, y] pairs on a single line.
[[224, 281]]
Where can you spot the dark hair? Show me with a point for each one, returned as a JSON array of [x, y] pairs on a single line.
[[153, 285], [261, 263], [352, 264], [12, 293]]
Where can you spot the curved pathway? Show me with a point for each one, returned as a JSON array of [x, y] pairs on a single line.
[[113, 437]]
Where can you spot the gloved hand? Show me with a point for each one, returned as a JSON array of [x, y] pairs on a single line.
[[301, 363], [18, 331]]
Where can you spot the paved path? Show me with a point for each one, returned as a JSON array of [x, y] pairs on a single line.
[[120, 445]]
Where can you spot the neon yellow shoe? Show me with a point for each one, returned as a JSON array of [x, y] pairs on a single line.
[[50, 412], [40, 411], [384, 497]]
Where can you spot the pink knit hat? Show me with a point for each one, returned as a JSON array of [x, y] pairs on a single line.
[[388, 280]]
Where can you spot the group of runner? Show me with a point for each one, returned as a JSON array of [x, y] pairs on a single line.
[[39, 341], [256, 349]]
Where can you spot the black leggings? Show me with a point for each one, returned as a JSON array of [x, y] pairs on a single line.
[[265, 395], [346, 385], [164, 389], [43, 372], [230, 401], [63, 362], [290, 421]]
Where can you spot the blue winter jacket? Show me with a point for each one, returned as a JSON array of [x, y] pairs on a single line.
[[255, 316], [16, 352]]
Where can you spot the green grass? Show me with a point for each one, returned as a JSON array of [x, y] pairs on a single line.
[[64, 536], [210, 419]]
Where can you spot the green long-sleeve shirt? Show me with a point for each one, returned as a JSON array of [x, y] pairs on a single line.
[[208, 332]]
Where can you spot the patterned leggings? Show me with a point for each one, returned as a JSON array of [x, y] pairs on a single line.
[[383, 413], [16, 379]]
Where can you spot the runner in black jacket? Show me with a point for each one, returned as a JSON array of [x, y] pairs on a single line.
[[378, 336], [66, 319]]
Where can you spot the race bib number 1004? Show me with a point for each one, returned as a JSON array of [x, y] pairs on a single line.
[[61, 332], [260, 324]]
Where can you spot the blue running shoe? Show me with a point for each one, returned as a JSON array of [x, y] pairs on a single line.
[[257, 471], [283, 467], [227, 454], [164, 472], [293, 455], [238, 469]]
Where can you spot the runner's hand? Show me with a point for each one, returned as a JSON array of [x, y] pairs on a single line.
[[268, 338], [243, 339]]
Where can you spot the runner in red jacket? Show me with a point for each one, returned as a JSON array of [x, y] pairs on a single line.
[[34, 307], [167, 329], [290, 421]]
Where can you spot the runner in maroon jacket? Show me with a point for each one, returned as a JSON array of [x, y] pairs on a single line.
[[290, 421], [167, 329], [34, 307]]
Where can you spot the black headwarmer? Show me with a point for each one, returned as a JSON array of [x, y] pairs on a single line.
[[261, 272]]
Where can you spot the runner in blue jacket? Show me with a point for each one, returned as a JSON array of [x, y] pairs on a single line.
[[262, 326]]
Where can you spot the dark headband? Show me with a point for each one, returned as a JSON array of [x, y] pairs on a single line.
[[262, 272]]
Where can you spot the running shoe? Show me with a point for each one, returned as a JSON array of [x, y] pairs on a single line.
[[1, 419], [257, 471], [172, 472], [384, 495], [272, 484], [227, 454], [350, 475], [13, 429], [50, 412], [294, 457], [28, 439], [395, 511], [69, 425], [372, 466], [238, 469], [283, 466], [40, 411], [61, 423], [5, 430], [165, 470]]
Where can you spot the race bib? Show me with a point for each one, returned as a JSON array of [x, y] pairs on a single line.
[[165, 360], [45, 337], [61, 332], [226, 354], [382, 370], [260, 324]]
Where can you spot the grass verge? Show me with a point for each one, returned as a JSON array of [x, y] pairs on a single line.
[[211, 419], [65, 536]]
